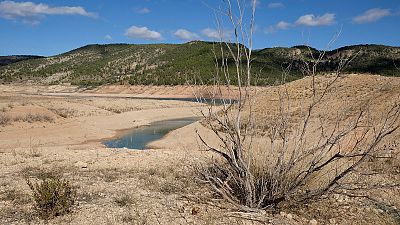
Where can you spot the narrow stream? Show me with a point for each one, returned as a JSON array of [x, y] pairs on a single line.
[[140, 137]]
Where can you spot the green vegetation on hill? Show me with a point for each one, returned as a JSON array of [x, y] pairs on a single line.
[[172, 64], [6, 60]]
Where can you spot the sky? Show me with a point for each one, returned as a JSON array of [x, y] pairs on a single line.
[[45, 27]]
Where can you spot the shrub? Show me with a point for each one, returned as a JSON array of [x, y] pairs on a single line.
[[53, 197], [4, 119]]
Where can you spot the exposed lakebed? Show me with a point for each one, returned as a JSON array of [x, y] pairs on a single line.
[[139, 138]]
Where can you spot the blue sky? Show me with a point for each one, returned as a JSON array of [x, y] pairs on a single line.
[[44, 27]]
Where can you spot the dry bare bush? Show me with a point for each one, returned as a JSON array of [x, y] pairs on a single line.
[[4, 119], [303, 155]]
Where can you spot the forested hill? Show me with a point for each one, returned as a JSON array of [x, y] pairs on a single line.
[[170, 64], [6, 60]]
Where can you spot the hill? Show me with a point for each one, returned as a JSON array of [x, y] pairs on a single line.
[[6, 60], [172, 64]]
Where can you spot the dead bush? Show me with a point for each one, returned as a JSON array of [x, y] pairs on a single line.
[[304, 154]]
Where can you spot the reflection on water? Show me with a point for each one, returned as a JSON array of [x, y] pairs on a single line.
[[140, 137]]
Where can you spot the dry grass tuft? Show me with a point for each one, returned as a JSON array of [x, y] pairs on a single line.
[[124, 200], [30, 118]]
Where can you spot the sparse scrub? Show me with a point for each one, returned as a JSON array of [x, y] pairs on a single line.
[[31, 118], [38, 118], [53, 197], [64, 112]]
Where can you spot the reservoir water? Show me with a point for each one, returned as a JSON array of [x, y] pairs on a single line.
[[140, 137]]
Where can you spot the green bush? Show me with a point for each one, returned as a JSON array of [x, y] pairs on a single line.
[[53, 197]]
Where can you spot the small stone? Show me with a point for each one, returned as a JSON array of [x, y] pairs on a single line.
[[81, 164], [313, 222], [332, 221], [379, 211], [336, 196], [195, 210], [289, 216]]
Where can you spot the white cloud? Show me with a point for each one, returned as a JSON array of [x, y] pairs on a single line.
[[143, 10], [306, 20], [186, 35], [30, 12], [211, 33], [274, 5], [143, 33], [215, 34], [108, 37], [372, 15], [312, 20], [282, 25]]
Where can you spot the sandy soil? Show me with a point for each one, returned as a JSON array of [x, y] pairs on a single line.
[[58, 129]]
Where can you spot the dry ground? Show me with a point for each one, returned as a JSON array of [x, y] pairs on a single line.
[[46, 133]]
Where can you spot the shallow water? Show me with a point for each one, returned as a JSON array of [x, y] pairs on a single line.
[[140, 137]]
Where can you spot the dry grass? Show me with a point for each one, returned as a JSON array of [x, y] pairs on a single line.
[[14, 196], [64, 112], [30, 118], [124, 200]]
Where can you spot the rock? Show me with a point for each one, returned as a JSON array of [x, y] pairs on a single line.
[[313, 222], [379, 211], [336, 196], [81, 164], [195, 210], [289, 216]]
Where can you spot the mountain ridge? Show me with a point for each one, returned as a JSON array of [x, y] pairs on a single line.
[[171, 64]]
